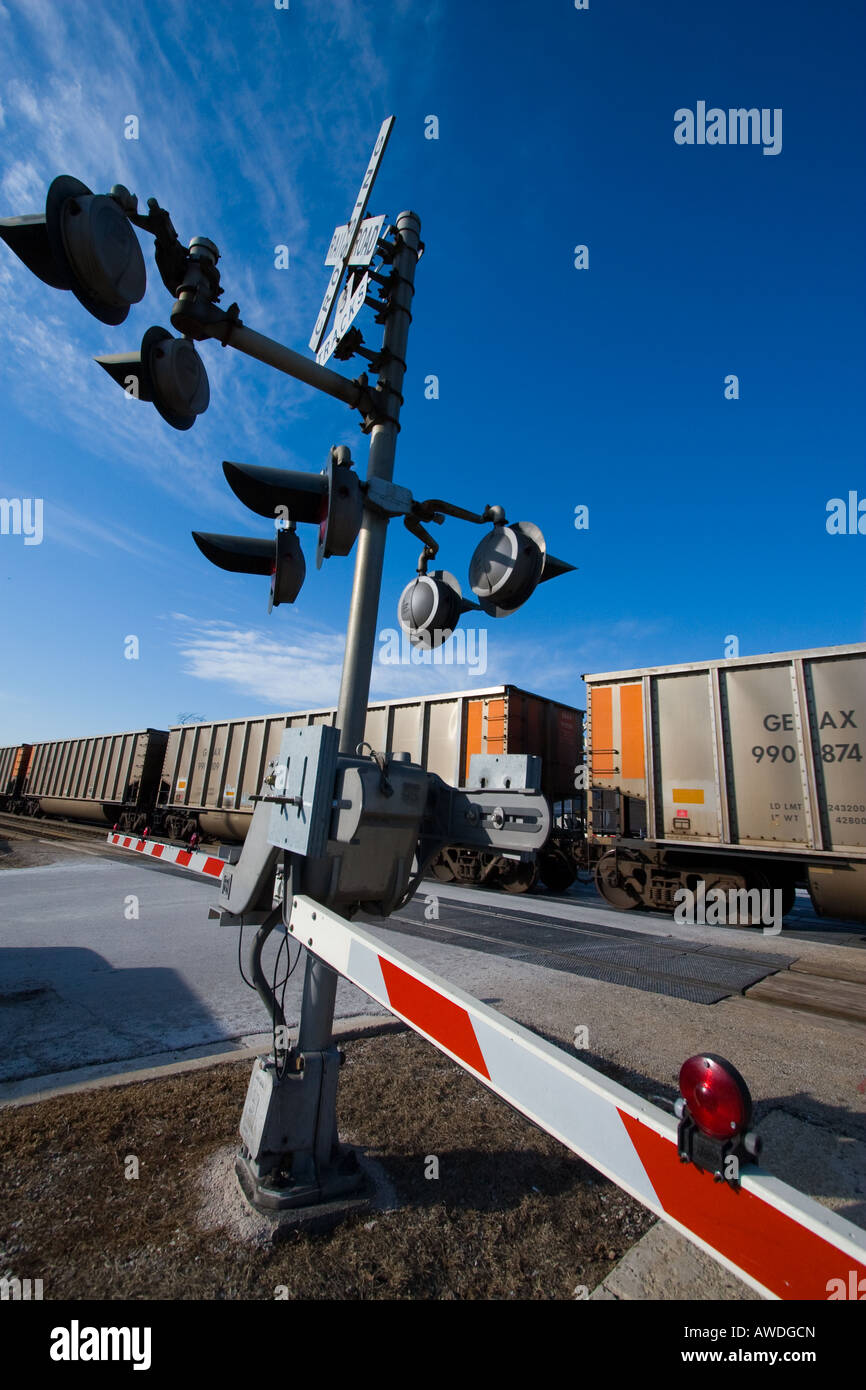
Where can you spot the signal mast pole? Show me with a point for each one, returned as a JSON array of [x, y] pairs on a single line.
[[364, 609], [315, 1031]]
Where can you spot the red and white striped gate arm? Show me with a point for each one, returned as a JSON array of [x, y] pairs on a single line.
[[193, 859], [776, 1239]]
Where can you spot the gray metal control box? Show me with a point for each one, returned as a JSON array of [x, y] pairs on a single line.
[[303, 789]]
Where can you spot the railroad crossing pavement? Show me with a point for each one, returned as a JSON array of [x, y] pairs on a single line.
[[84, 984]]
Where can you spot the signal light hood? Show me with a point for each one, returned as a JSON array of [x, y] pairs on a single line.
[[241, 554], [28, 238], [267, 490]]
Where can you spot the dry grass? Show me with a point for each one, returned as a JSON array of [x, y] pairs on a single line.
[[512, 1214]]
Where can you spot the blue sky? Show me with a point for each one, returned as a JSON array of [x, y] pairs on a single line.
[[558, 387]]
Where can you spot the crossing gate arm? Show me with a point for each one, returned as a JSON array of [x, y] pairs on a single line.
[[774, 1238], [195, 861]]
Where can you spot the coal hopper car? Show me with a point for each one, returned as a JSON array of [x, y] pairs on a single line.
[[742, 773], [110, 779], [212, 771]]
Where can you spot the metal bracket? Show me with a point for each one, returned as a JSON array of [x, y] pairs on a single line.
[[247, 886], [197, 317], [714, 1155], [389, 498]]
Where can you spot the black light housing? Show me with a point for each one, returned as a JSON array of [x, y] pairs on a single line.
[[507, 566], [429, 608], [83, 242], [332, 500], [241, 554], [27, 237], [169, 373], [281, 557]]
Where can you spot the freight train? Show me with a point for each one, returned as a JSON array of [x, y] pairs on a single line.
[[741, 773], [199, 781]]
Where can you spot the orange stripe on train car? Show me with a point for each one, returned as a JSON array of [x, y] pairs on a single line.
[[631, 719], [601, 714], [474, 713]]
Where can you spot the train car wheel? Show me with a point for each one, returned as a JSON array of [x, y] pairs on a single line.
[[519, 878], [557, 873], [759, 881], [749, 881], [442, 871], [609, 884]]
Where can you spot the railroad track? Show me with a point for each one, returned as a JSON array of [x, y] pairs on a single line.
[[46, 829], [703, 974]]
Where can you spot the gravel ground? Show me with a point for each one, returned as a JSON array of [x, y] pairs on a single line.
[[24, 852], [512, 1214]]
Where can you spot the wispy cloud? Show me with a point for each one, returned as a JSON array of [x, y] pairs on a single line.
[[297, 674], [64, 526], [301, 669], [209, 132]]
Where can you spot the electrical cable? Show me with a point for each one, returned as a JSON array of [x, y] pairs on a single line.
[[246, 981], [282, 1066]]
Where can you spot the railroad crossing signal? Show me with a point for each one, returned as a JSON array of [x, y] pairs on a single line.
[[430, 608], [166, 371], [343, 507], [83, 242], [86, 243], [331, 500], [281, 558], [508, 565]]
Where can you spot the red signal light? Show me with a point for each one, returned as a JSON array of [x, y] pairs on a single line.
[[717, 1097]]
